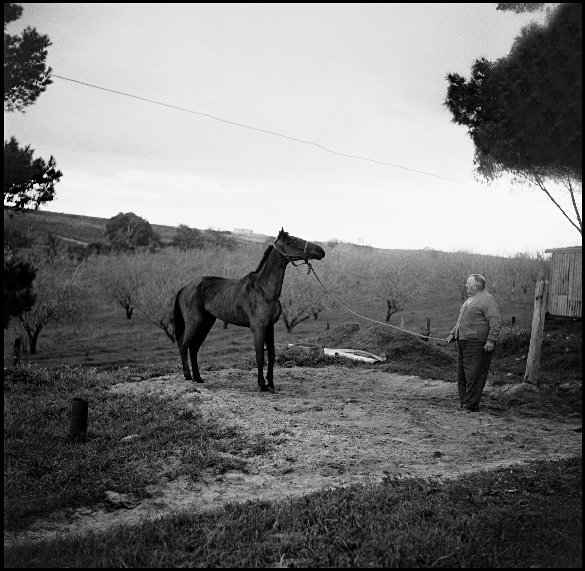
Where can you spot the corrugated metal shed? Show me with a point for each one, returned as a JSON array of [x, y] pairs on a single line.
[[565, 294]]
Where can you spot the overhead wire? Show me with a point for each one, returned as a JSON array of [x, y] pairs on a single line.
[[251, 127]]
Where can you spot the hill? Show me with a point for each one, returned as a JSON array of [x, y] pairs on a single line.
[[83, 230]]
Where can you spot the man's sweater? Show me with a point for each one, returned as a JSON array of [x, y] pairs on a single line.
[[479, 319]]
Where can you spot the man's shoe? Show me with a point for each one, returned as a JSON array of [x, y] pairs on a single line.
[[471, 409]]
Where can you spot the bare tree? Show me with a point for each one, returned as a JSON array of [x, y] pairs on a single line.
[[121, 277], [398, 284], [300, 299], [163, 277], [59, 299], [451, 271], [155, 299]]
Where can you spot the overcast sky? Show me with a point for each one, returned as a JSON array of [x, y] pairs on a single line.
[[365, 80]]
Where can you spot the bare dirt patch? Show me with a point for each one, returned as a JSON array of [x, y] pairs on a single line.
[[334, 426]]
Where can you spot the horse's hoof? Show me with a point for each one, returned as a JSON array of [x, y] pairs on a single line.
[[199, 380], [263, 388]]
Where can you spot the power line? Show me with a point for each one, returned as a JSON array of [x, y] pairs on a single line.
[[216, 118]]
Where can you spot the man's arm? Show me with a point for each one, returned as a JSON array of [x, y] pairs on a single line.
[[453, 334], [494, 319]]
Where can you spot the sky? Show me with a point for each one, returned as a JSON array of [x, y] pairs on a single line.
[[266, 107]]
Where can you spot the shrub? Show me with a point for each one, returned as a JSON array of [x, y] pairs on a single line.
[[512, 341]]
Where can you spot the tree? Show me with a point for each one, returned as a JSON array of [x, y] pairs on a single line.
[[18, 285], [120, 276], [156, 296], [188, 238], [26, 75], [122, 290], [524, 111], [58, 300], [398, 285], [150, 283], [301, 298], [27, 181], [219, 239], [127, 230], [522, 7], [155, 301]]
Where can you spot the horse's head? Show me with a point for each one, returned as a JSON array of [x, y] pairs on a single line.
[[296, 249]]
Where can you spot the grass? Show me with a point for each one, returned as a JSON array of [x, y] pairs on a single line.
[[45, 471], [514, 517], [37, 224], [561, 364], [524, 516]]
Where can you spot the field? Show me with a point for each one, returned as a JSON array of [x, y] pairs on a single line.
[[302, 464]]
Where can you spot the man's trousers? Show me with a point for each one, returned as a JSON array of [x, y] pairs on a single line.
[[473, 364]]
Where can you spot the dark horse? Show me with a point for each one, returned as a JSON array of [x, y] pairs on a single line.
[[251, 301]]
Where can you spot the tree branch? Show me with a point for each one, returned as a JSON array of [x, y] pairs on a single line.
[[571, 192], [537, 180]]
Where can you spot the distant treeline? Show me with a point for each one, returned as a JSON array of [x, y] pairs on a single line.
[[78, 237]]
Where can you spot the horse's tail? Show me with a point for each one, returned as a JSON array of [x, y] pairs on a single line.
[[179, 322]]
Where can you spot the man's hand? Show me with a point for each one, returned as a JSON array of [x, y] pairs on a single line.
[[489, 346], [450, 338]]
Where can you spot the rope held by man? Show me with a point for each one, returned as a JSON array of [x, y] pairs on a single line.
[[311, 269]]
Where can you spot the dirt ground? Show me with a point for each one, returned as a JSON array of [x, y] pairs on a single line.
[[334, 426]]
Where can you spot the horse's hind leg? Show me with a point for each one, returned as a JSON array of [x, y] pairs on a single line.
[[183, 343], [201, 329], [183, 349]]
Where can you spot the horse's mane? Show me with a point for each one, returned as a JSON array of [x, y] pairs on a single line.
[[264, 258]]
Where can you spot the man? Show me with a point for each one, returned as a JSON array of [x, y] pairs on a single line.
[[476, 333]]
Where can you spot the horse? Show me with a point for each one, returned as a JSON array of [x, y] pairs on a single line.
[[251, 301]]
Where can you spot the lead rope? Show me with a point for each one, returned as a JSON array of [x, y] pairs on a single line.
[[362, 316]]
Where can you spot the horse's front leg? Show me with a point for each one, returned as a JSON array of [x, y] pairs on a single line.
[[259, 336], [269, 340]]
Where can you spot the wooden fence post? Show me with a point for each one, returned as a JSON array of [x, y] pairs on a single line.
[[17, 352], [426, 332], [540, 305], [78, 427]]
